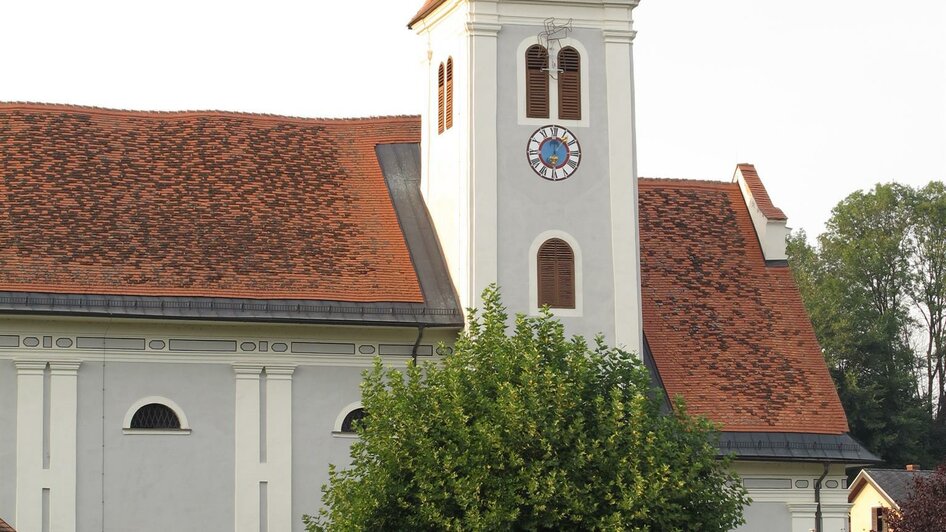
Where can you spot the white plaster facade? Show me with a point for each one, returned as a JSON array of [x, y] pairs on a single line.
[[470, 168], [783, 496], [259, 426]]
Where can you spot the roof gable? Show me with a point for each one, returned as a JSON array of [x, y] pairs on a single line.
[[727, 332], [202, 204], [895, 485], [426, 9]]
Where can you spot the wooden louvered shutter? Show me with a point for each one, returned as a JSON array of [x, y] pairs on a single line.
[[569, 84], [537, 82], [449, 106], [440, 99], [556, 275]]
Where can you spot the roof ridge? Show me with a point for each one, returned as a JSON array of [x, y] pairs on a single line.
[[897, 470], [759, 193], [696, 183], [139, 113]]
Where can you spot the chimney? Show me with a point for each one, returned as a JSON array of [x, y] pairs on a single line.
[[769, 220]]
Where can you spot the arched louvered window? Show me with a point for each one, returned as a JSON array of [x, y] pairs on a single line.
[[537, 82], [351, 419], [556, 274], [441, 94], [155, 416], [569, 84], [448, 119]]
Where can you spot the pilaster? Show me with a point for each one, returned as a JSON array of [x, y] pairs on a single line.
[[247, 451], [278, 466], [622, 164], [46, 484], [31, 477], [63, 399], [803, 516], [263, 452], [482, 153]]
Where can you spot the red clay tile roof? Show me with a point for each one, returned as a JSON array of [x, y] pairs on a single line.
[[5, 527], [426, 9], [210, 204], [759, 194], [726, 332]]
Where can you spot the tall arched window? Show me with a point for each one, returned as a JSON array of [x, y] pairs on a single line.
[[448, 119], [569, 84], [556, 274], [441, 89], [537, 82]]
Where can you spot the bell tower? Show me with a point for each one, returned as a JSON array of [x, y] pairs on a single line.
[[529, 159]]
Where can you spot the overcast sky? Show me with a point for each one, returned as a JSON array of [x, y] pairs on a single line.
[[824, 96]]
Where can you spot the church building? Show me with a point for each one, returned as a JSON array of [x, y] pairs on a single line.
[[188, 299]]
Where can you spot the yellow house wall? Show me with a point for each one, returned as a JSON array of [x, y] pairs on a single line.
[[868, 498]]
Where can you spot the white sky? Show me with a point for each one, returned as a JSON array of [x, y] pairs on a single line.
[[824, 96]]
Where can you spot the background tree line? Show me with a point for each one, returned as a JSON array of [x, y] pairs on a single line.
[[875, 287]]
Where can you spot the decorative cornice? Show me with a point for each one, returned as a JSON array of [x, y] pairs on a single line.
[[64, 367], [280, 372], [483, 29], [619, 36], [29, 367], [248, 371]]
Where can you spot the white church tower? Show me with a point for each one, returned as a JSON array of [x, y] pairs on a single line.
[[529, 160]]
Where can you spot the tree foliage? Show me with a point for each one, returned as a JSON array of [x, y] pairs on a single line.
[[881, 264], [923, 511], [527, 431], [928, 289]]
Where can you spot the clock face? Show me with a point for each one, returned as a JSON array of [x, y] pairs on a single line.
[[553, 153]]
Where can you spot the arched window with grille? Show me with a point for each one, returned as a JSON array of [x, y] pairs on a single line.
[[569, 84], [448, 106], [556, 274], [155, 415], [352, 419], [441, 97], [348, 420], [537, 82]]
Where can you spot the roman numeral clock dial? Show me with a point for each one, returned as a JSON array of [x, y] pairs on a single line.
[[553, 153]]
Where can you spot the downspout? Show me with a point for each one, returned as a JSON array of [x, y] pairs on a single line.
[[420, 334], [818, 527]]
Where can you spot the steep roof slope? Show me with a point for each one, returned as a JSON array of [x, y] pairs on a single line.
[[727, 332], [217, 215], [897, 484], [200, 204]]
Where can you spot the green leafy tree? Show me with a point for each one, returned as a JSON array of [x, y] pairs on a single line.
[[858, 287], [928, 290], [528, 431]]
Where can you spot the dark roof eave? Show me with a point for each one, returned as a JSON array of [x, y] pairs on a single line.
[[795, 447], [230, 309]]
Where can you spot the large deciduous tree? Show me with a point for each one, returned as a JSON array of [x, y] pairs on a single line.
[[881, 264], [527, 431], [928, 276]]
